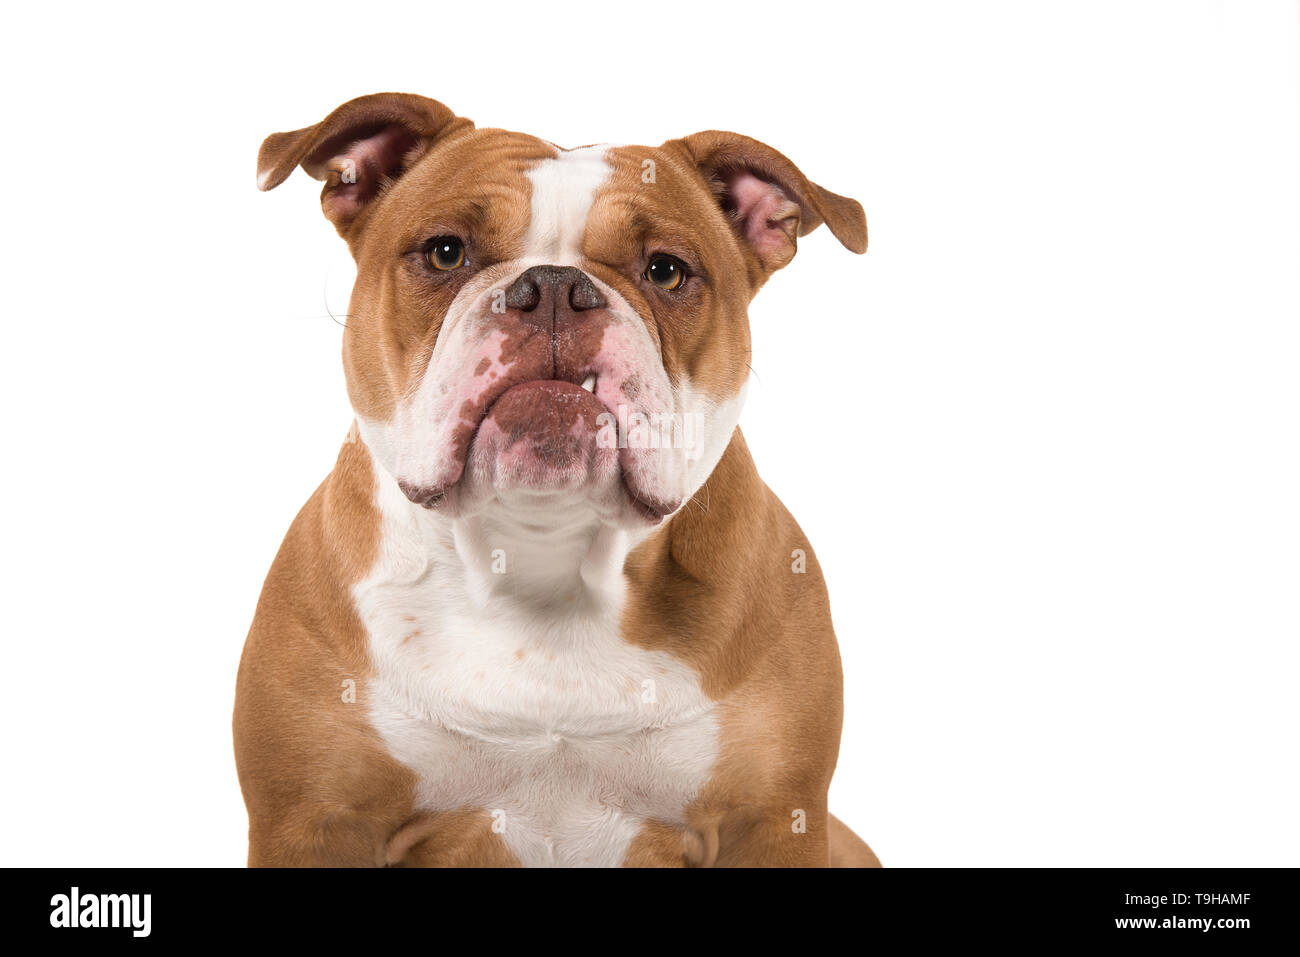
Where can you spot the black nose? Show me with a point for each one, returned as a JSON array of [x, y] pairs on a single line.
[[561, 288]]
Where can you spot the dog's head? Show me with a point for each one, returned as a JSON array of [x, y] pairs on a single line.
[[532, 324]]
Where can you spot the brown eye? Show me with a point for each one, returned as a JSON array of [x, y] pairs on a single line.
[[446, 253], [666, 272]]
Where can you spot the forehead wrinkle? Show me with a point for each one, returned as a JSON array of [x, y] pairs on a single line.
[[640, 212]]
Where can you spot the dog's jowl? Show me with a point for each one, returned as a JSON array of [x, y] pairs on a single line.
[[544, 611]]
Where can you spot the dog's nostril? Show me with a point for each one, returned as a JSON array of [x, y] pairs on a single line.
[[583, 294], [523, 294]]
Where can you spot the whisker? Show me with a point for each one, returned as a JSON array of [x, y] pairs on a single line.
[[335, 318], [708, 498]]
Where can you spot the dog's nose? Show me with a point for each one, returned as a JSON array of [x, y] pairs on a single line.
[[553, 290]]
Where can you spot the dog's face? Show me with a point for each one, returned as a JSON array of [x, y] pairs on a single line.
[[533, 326]]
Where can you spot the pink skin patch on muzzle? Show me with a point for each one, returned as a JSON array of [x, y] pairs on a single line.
[[511, 410]]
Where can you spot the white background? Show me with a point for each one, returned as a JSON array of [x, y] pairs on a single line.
[[1043, 435]]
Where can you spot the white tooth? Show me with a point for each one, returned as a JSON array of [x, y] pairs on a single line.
[[589, 383]]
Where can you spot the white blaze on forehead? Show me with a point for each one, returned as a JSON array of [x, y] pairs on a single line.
[[563, 191]]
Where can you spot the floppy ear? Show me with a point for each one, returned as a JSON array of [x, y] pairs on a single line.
[[357, 149], [770, 202]]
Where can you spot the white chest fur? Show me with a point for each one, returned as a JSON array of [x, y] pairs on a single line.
[[534, 709]]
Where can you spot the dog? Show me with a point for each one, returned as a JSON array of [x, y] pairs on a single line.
[[543, 611]]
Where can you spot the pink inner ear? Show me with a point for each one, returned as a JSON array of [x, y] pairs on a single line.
[[768, 218], [357, 167]]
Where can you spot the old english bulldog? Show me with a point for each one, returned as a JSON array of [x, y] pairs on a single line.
[[544, 610]]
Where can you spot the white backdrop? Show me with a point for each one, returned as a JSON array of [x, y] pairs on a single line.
[[1043, 435]]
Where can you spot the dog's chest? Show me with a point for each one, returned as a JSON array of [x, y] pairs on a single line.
[[546, 718]]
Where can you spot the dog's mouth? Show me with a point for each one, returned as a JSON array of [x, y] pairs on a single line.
[[544, 435], [552, 417]]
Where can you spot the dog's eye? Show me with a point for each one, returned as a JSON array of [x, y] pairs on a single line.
[[446, 253], [666, 272]]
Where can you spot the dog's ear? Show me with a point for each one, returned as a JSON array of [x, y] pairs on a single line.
[[361, 146], [769, 201]]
